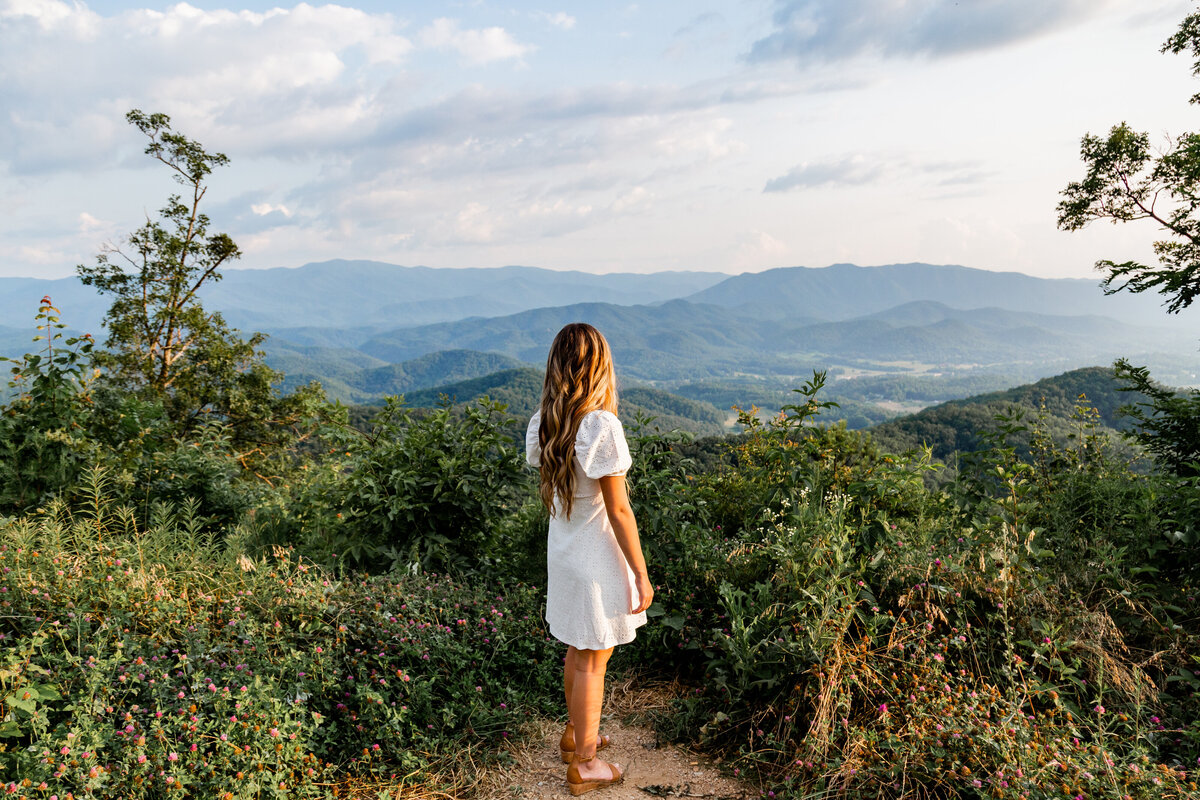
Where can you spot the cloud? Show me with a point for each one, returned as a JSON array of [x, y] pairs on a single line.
[[559, 19], [286, 77], [263, 209], [474, 223], [833, 30], [88, 223], [859, 170], [755, 250], [847, 171], [635, 199], [35, 254], [475, 46]]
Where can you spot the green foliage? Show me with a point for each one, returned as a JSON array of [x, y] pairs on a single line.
[[156, 318], [162, 345], [957, 426], [1127, 180], [43, 443], [138, 661], [427, 489], [840, 627], [1168, 422], [865, 636], [519, 389]]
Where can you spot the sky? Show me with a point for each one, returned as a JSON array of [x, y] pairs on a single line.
[[715, 135]]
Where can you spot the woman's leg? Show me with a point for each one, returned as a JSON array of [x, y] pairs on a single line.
[[567, 742], [569, 680], [587, 699]]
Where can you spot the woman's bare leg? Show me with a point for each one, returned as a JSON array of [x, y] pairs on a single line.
[[569, 680], [587, 700]]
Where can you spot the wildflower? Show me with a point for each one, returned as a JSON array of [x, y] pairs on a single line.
[[1099, 709]]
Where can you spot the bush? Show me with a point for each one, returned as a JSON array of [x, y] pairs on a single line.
[[866, 636], [419, 490], [138, 661], [43, 441]]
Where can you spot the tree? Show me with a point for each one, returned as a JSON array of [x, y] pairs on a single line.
[[1127, 180], [162, 345]]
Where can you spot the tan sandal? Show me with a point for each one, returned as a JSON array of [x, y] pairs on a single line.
[[580, 785], [566, 745]]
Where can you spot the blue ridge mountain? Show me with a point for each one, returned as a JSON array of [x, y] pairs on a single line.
[[680, 340], [845, 291], [354, 294]]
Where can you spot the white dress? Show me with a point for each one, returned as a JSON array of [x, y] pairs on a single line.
[[589, 587]]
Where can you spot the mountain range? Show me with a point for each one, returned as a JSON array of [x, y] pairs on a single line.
[[379, 296], [365, 329], [368, 294]]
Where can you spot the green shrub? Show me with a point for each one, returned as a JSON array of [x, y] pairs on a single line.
[[43, 440], [422, 489], [141, 660]]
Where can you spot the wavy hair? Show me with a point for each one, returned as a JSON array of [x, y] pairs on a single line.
[[579, 378]]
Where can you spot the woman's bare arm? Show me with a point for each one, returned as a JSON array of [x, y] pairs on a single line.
[[620, 514]]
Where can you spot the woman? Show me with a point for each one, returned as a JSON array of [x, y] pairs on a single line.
[[597, 590]]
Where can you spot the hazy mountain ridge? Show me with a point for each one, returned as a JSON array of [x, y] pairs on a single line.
[[355, 294], [673, 340], [337, 321], [379, 296], [843, 291]]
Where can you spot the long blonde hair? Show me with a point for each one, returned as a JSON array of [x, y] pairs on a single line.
[[579, 378]]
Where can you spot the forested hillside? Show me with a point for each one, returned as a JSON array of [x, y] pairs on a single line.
[[1063, 405], [520, 389], [354, 377]]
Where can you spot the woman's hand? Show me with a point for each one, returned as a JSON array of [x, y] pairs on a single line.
[[645, 592]]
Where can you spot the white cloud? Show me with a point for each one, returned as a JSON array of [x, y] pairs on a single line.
[[704, 139], [284, 78], [474, 223], [559, 19], [263, 209], [51, 14], [475, 46], [635, 198], [88, 223], [40, 254], [757, 250]]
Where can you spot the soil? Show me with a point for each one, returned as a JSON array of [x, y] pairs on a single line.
[[652, 768]]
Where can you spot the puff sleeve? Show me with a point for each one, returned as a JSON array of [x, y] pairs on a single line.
[[600, 445], [533, 450]]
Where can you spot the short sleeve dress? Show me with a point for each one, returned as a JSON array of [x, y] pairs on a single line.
[[590, 588]]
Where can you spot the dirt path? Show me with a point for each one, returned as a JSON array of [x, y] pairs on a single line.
[[652, 769]]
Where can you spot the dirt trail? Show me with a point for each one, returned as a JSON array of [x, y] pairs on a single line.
[[652, 769]]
